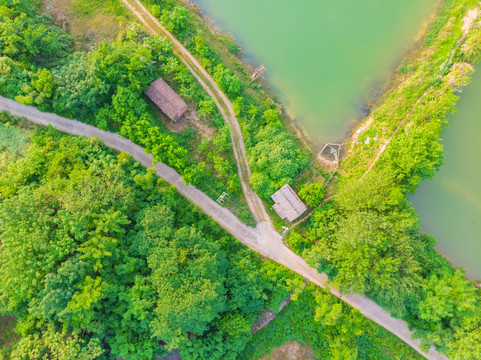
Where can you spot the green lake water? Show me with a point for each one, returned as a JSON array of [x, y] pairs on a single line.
[[450, 204], [322, 56]]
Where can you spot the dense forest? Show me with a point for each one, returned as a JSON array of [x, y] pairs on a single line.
[[99, 259], [110, 260]]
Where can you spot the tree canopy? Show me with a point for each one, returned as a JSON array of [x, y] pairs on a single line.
[[100, 259]]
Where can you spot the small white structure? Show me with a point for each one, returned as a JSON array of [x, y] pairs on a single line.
[[287, 204]]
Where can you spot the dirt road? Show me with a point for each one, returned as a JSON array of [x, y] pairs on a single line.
[[262, 239], [256, 205]]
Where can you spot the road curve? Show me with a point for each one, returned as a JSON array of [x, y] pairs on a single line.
[[262, 239], [256, 205]]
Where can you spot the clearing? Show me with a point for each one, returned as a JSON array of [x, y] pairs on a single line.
[[89, 21], [7, 336], [291, 350]]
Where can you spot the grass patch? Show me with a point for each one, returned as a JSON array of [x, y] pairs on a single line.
[[13, 144], [89, 22], [7, 334], [291, 350]]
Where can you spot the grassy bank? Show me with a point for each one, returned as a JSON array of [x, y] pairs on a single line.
[[419, 96]]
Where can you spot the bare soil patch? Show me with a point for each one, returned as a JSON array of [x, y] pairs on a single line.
[[191, 119], [88, 26], [291, 350], [469, 20], [7, 336], [200, 124]]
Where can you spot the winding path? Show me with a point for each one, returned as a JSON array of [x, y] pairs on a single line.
[[256, 205], [469, 20], [401, 124], [262, 239]]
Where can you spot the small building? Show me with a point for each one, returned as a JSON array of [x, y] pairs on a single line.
[[166, 99], [287, 204]]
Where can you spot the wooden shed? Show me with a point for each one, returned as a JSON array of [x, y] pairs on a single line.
[[166, 99], [287, 203]]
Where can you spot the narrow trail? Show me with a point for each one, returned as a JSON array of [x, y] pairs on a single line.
[[256, 205], [262, 239], [401, 124], [469, 21]]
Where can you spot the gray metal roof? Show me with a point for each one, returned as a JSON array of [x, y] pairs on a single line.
[[287, 203]]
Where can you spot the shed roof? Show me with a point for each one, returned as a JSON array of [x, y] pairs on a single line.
[[166, 99], [287, 203]]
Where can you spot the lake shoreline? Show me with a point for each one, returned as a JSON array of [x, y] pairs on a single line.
[[247, 63], [378, 88], [452, 217], [394, 80], [355, 127], [362, 142]]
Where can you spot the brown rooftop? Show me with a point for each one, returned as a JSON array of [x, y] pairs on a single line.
[[166, 99], [287, 203]]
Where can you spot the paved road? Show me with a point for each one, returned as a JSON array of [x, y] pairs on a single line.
[[262, 239], [256, 205]]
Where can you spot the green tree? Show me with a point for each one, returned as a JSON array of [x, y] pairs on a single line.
[[450, 300], [415, 155], [228, 81], [372, 254], [467, 339], [50, 344], [30, 39], [274, 160], [187, 273], [312, 194], [41, 90], [177, 21], [376, 191], [271, 117], [79, 92]]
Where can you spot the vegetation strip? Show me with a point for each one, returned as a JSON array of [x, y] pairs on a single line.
[[224, 105], [468, 23]]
